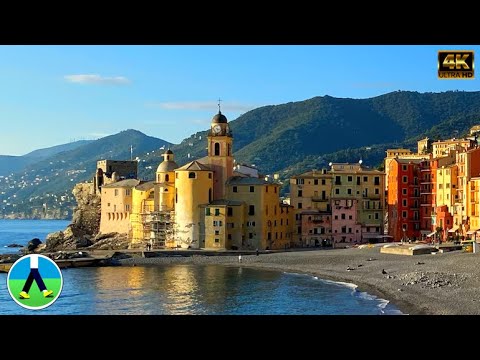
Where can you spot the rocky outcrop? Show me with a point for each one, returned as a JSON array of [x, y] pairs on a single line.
[[33, 244], [111, 241], [85, 222]]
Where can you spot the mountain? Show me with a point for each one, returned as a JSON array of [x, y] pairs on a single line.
[[11, 164], [286, 139], [50, 181], [297, 136]]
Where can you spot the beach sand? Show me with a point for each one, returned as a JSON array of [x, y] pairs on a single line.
[[441, 284]]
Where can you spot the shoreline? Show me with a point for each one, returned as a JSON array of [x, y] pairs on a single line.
[[441, 284]]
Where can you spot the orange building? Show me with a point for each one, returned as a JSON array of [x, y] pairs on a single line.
[[404, 199]]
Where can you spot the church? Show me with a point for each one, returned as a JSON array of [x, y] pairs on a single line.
[[206, 203]]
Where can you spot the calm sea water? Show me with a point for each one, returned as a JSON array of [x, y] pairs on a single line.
[[22, 231], [192, 289]]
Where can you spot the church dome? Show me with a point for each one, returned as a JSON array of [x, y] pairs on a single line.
[[219, 119], [167, 166]]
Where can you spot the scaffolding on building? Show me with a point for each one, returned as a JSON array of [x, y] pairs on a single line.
[[158, 227]]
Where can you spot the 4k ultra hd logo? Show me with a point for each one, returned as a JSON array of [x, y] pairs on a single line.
[[455, 64]]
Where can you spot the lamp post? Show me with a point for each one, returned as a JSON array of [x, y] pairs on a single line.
[[403, 238]]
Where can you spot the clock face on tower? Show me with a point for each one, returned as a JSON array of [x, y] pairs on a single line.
[[217, 129]]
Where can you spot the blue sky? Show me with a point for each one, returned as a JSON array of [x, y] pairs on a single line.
[[51, 95]]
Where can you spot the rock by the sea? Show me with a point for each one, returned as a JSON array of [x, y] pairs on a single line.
[[33, 244], [14, 246]]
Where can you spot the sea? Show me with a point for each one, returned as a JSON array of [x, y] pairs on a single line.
[[185, 289]]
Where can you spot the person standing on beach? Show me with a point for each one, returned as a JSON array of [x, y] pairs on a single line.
[[34, 275]]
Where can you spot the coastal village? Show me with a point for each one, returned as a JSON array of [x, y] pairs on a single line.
[[215, 203]]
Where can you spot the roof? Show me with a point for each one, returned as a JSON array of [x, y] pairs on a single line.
[[167, 166], [406, 161], [316, 173], [128, 183], [195, 166], [240, 180], [225, 202], [219, 118], [145, 186], [168, 152]]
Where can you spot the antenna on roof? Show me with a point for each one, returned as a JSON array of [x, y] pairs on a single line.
[[219, 100]]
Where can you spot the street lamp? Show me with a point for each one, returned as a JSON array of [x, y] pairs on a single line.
[[403, 238]]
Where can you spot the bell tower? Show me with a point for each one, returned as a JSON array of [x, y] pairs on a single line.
[[220, 141]]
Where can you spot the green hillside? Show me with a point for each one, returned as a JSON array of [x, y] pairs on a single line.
[[286, 139]]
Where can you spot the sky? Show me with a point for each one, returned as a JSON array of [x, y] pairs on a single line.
[[51, 95]]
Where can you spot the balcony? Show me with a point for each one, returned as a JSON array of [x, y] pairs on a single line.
[[320, 199]]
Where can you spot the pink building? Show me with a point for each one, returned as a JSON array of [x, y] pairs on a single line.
[[316, 228], [344, 226]]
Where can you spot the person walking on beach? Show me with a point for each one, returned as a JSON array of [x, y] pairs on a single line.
[[34, 275]]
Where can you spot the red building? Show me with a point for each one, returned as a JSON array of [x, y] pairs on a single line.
[[427, 196], [404, 199]]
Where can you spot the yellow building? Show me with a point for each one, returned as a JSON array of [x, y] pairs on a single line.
[[143, 198], [116, 206], [268, 223], [446, 184], [473, 209], [443, 147], [201, 204]]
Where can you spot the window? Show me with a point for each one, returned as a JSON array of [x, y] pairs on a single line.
[[250, 235], [350, 178], [192, 175], [128, 192], [377, 191], [176, 195], [405, 227], [440, 186], [251, 210], [349, 191], [209, 175], [349, 217], [217, 212], [447, 186], [300, 193], [338, 180], [299, 229], [404, 167], [287, 221], [167, 178], [230, 225], [281, 222], [266, 209], [404, 214], [299, 205], [266, 189], [229, 211], [404, 191], [343, 216], [217, 241], [365, 179], [252, 188], [377, 180], [217, 232], [217, 222], [344, 229], [250, 223], [116, 192], [229, 236], [275, 189], [176, 175], [336, 217], [315, 182], [350, 230], [235, 189], [376, 216], [300, 181], [404, 202], [323, 181], [127, 207], [337, 191], [108, 204], [217, 149], [207, 211]]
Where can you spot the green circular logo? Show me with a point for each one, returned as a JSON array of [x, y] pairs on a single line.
[[34, 282]]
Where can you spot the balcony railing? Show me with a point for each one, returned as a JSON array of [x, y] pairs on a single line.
[[319, 198]]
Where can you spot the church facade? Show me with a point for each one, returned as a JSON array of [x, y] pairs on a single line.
[[205, 203]]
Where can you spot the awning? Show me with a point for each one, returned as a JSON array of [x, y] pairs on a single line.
[[455, 228], [431, 234]]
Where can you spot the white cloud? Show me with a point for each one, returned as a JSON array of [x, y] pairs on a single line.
[[96, 79], [203, 105], [98, 135]]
